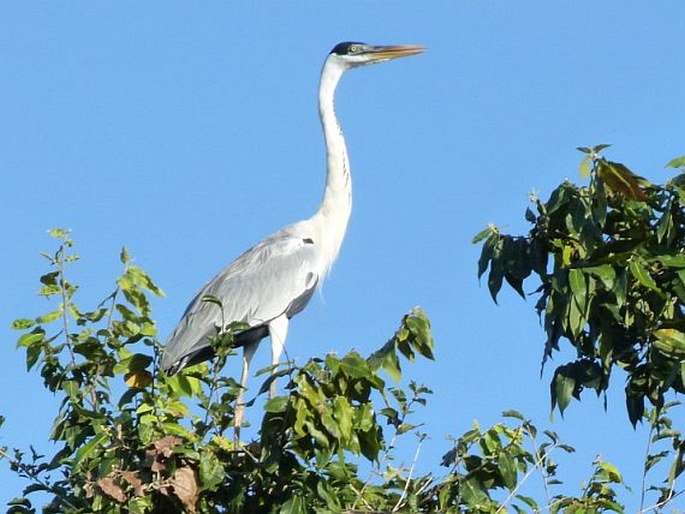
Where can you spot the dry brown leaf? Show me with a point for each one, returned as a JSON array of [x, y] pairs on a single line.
[[160, 451], [154, 460], [134, 481], [166, 444], [185, 487], [110, 488]]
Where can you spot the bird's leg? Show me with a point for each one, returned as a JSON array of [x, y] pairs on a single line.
[[248, 352], [278, 330]]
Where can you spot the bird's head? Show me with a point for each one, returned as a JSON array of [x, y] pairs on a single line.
[[353, 54]]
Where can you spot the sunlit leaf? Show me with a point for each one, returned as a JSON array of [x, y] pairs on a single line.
[[678, 162], [620, 179], [642, 275], [278, 404], [22, 324], [670, 341], [585, 166], [138, 379], [86, 450]]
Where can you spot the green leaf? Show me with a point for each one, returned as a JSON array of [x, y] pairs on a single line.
[[354, 366], [59, 233], [472, 492], [49, 317], [642, 275], [328, 495], [489, 232], [496, 274], [90, 447], [36, 336], [133, 362], [22, 324], [605, 273], [584, 166], [391, 364], [343, 415], [576, 319], [32, 355], [635, 404], [670, 261], [620, 179], [295, 505], [678, 162], [124, 257], [486, 255], [665, 224], [578, 284], [278, 404], [610, 472], [513, 414], [508, 469], [563, 387], [421, 336], [670, 341], [528, 501], [212, 473], [653, 459]]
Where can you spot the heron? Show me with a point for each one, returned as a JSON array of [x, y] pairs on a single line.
[[275, 279]]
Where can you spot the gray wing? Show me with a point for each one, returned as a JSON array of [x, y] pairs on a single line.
[[277, 276]]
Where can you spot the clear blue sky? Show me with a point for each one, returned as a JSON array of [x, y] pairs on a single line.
[[189, 131]]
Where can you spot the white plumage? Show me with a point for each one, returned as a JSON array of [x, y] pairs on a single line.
[[275, 279]]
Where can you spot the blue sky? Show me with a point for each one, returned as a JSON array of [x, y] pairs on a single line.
[[187, 132]]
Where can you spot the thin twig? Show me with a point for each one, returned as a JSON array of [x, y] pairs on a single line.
[[663, 502], [644, 469], [34, 476], [543, 473], [411, 472], [359, 496], [110, 315], [65, 300], [525, 477], [375, 470]]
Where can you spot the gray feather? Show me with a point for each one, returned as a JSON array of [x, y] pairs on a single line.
[[278, 275]]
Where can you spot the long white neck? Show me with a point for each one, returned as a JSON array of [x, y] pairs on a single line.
[[336, 206]]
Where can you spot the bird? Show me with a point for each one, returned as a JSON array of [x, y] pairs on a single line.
[[275, 279]]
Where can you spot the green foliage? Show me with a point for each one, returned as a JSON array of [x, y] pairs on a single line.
[[610, 260], [129, 439]]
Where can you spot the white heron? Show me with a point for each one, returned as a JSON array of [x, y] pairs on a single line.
[[274, 280]]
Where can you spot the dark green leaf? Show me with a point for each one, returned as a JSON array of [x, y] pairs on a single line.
[[563, 387], [486, 255], [513, 414]]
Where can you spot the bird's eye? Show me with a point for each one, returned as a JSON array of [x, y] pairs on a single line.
[[353, 49]]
